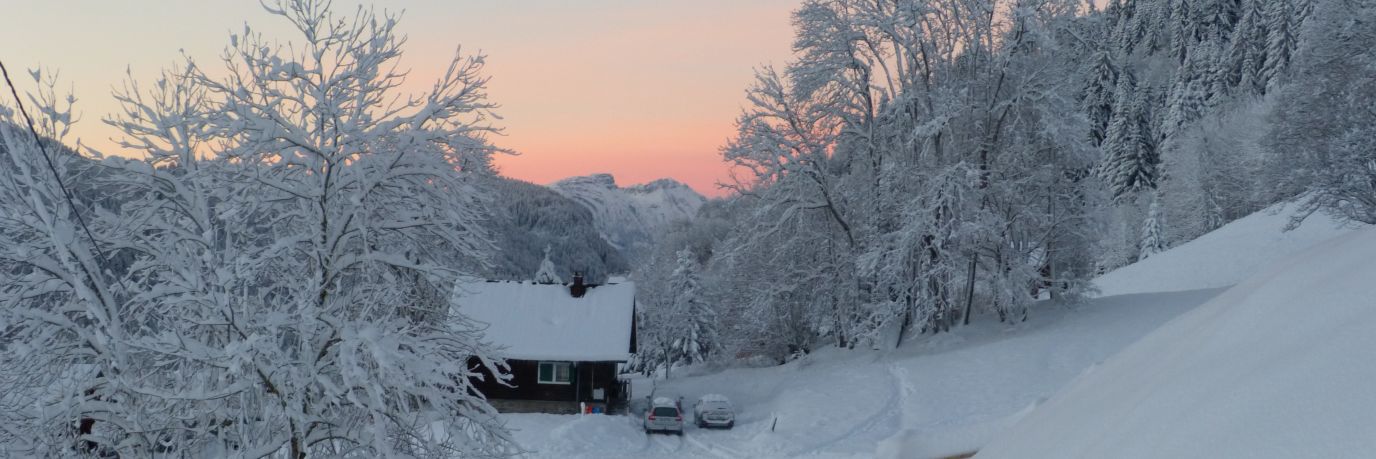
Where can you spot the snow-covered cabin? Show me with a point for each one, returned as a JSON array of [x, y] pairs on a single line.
[[563, 341]]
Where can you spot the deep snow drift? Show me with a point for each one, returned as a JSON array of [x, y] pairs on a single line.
[[939, 396], [1280, 365]]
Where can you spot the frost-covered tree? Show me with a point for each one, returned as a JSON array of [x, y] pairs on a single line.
[[285, 252], [1153, 241], [905, 173], [1188, 94], [548, 273], [697, 335], [1281, 41], [1217, 19], [67, 327], [1130, 151], [1247, 51], [1180, 20], [1324, 135], [659, 322], [1099, 96]]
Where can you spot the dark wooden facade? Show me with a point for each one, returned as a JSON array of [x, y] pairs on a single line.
[[584, 379]]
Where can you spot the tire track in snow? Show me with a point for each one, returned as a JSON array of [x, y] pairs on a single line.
[[649, 441], [903, 389], [671, 447], [716, 450], [888, 415]]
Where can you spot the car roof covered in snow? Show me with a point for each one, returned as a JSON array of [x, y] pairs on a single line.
[[664, 401], [545, 322], [714, 398]]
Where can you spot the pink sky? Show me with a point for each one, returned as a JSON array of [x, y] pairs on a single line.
[[640, 89]]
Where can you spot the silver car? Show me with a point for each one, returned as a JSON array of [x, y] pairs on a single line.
[[664, 415], [714, 410]]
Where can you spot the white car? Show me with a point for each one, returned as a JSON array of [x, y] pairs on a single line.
[[664, 415], [714, 410]]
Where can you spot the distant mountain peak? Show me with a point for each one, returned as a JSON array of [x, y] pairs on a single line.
[[631, 218], [661, 184], [603, 180]]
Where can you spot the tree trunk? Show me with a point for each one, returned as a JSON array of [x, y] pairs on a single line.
[[970, 289]]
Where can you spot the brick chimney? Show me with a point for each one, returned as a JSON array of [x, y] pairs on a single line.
[[578, 288]]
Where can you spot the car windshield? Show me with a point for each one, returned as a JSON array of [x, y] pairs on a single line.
[[717, 405], [666, 411]]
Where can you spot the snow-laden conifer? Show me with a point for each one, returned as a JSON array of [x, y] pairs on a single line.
[[547, 274]]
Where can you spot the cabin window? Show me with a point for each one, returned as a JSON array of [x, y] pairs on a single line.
[[554, 373]]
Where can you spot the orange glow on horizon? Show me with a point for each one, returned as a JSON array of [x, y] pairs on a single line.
[[639, 89]]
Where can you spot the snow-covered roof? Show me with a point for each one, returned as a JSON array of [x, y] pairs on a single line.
[[544, 322]]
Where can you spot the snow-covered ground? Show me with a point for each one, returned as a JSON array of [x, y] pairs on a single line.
[[1226, 256], [955, 393], [942, 397], [1280, 365]]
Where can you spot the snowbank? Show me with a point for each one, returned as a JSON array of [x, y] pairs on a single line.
[[1278, 366], [1224, 256]]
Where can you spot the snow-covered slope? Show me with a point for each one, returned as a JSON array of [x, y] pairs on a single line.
[[1224, 256], [947, 396], [1280, 365], [958, 392], [630, 217]]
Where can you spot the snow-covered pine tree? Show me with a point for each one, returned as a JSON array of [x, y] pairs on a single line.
[[1153, 241], [1303, 10], [1099, 95], [1281, 41], [1188, 94], [1247, 51], [1151, 37], [1128, 32], [1113, 15], [1217, 19], [1181, 23], [697, 335], [1130, 159], [1218, 74], [1251, 43], [548, 273]]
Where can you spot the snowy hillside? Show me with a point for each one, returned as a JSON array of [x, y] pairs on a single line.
[[947, 397], [1278, 366], [1225, 256], [957, 392], [629, 217]]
